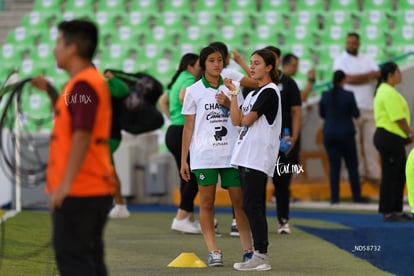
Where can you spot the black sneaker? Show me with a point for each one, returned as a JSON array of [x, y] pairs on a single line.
[[394, 217]]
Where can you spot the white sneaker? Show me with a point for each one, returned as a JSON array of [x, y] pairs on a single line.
[[119, 211], [258, 262], [284, 229], [186, 226]]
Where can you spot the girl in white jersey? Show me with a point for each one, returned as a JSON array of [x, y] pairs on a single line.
[[209, 136], [256, 150]]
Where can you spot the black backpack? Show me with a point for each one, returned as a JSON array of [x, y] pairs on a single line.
[[138, 111]]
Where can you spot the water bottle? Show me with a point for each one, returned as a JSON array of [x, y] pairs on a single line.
[[284, 142]]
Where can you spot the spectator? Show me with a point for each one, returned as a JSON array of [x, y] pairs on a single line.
[[338, 107], [290, 63], [392, 119], [171, 105], [360, 72]]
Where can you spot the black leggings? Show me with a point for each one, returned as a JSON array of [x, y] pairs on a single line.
[[392, 150], [282, 183], [188, 190], [253, 184]]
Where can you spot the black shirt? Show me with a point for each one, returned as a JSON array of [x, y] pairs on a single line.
[[290, 96]]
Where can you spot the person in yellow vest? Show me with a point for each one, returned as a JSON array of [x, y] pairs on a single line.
[[409, 174], [80, 176], [392, 120]]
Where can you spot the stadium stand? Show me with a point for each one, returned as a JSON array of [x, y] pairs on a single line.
[[187, 25], [151, 36]]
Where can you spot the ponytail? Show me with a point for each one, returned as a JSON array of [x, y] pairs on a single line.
[[186, 60], [337, 79]]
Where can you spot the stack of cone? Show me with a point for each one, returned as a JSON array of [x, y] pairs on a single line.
[[187, 259]]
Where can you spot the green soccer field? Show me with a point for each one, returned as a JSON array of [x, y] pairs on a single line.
[[144, 245]]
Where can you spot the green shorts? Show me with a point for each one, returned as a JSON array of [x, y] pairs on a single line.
[[229, 177], [113, 145]]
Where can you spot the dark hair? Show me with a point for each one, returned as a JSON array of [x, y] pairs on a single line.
[[186, 60], [288, 58], [222, 47], [83, 33], [386, 69], [269, 58], [337, 78], [353, 34], [275, 50], [205, 52]]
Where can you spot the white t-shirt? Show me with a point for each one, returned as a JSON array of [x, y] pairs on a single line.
[[354, 65], [258, 145], [213, 136]]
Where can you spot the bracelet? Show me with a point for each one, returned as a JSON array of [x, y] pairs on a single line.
[[311, 80], [234, 92]]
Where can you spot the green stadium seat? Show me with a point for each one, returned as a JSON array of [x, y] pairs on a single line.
[[404, 5], [407, 16], [177, 6], [340, 18], [403, 35], [374, 17], [143, 6], [84, 14], [76, 6], [381, 5], [270, 18], [209, 5], [34, 19], [47, 5], [206, 18], [344, 5], [300, 34], [275, 5], [307, 18], [372, 34], [240, 6], [238, 19], [111, 6], [312, 5], [110, 20]]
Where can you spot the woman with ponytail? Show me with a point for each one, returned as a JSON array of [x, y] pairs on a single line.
[[256, 150], [338, 107], [171, 104], [392, 119]]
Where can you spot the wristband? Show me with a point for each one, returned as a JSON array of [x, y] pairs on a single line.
[[234, 92], [311, 80]]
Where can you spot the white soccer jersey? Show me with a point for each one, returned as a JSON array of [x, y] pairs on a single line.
[[258, 145], [213, 136]]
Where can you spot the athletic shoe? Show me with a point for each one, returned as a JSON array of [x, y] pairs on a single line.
[[284, 229], [247, 256], [186, 226], [395, 217], [258, 262], [119, 211], [216, 229], [234, 231], [215, 258]]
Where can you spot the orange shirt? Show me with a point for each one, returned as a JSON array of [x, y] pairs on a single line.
[[96, 175]]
